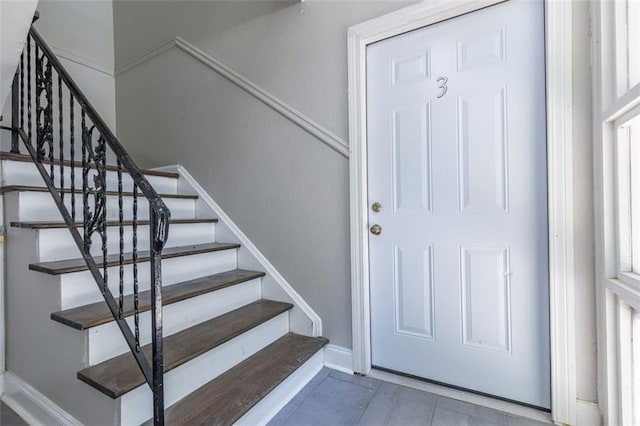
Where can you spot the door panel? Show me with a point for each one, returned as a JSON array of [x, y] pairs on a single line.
[[457, 159]]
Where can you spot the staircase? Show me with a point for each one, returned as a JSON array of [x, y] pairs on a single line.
[[194, 337]]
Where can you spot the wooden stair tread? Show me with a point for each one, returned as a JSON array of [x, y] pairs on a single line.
[[58, 224], [121, 374], [26, 158], [27, 188], [58, 267], [87, 316], [229, 396]]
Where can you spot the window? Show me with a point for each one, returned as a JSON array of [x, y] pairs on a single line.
[[617, 171]]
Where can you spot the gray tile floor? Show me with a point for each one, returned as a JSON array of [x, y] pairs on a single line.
[[333, 398], [8, 417]]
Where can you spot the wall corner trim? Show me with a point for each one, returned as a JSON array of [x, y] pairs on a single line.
[[306, 123], [82, 61], [244, 240], [31, 405]]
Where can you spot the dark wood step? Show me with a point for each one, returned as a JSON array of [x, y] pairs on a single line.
[[26, 158], [54, 225], [228, 397], [58, 267], [25, 188], [121, 374], [95, 314]]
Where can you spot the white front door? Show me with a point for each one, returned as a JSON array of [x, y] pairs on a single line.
[[457, 161]]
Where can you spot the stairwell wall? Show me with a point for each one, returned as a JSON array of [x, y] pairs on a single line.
[[81, 35], [287, 191]]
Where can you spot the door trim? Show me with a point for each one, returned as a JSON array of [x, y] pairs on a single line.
[[558, 40]]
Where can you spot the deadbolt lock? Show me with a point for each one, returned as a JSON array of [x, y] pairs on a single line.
[[376, 229], [376, 207]]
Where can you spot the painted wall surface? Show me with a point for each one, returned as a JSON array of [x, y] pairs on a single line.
[[286, 190], [15, 18], [81, 34]]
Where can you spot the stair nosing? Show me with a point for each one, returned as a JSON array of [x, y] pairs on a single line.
[[107, 318], [282, 308], [25, 158], [37, 225], [319, 343], [29, 188], [143, 256]]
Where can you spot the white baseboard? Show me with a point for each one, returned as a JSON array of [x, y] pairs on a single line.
[[257, 254], [31, 405], [338, 358], [587, 413]]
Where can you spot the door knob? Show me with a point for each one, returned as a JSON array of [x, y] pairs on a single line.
[[376, 229], [376, 207]]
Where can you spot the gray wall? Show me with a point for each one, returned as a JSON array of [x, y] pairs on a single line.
[[81, 34], [286, 190]]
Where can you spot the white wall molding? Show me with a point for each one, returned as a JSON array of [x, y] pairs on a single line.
[[558, 29], [560, 181], [31, 405], [82, 61], [303, 121], [338, 358], [246, 243]]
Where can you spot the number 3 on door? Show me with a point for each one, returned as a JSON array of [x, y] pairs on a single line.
[[443, 86]]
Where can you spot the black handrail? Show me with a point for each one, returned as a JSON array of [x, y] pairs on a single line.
[[38, 70]]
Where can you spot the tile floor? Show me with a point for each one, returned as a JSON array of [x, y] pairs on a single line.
[[8, 417], [333, 398]]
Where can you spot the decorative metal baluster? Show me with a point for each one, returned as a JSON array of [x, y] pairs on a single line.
[[15, 112], [100, 211], [72, 153], [61, 118], [136, 302], [29, 88], [22, 74], [85, 183], [121, 225], [39, 153], [44, 114], [48, 116]]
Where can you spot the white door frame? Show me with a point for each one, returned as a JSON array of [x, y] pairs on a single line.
[[558, 39]]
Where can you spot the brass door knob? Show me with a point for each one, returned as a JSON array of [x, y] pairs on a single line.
[[376, 229], [376, 207]]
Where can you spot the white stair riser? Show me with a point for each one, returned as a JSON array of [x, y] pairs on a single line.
[[136, 406], [39, 206], [106, 341], [79, 288], [26, 174], [270, 405], [57, 244]]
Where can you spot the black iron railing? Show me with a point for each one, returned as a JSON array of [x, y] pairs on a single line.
[[61, 131]]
